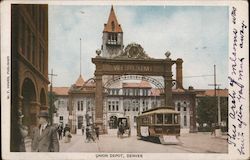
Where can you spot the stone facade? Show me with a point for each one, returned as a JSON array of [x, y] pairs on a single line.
[[122, 99], [29, 50], [75, 104]]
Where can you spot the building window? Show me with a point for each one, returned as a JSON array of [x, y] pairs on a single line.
[[117, 105], [135, 118], [32, 44], [109, 105], [88, 105], [112, 38], [61, 118], [137, 92], [81, 105], [80, 122], [78, 105], [184, 108], [185, 120], [144, 92], [41, 59], [113, 105]]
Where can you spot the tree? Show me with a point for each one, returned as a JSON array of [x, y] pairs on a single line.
[[207, 110]]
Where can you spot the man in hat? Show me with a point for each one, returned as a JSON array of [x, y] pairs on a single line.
[[45, 136]]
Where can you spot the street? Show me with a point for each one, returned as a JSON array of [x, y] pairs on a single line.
[[201, 142], [191, 142]]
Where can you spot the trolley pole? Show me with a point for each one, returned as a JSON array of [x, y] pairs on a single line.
[[217, 102]]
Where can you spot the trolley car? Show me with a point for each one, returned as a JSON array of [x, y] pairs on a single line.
[[160, 125]]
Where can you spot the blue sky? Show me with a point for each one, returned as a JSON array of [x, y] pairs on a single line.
[[198, 35]]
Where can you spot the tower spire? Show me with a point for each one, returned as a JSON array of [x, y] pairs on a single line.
[[112, 24]]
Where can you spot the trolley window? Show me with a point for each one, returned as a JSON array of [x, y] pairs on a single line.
[[168, 119], [159, 118], [145, 120]]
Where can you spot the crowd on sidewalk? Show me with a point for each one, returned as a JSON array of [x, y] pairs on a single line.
[[45, 137]]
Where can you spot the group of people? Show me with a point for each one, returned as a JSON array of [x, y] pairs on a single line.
[[64, 132], [44, 137], [92, 133]]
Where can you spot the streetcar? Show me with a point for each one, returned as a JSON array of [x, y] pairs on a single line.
[[123, 127], [160, 125]]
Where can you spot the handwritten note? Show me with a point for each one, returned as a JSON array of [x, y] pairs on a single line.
[[8, 78], [237, 74]]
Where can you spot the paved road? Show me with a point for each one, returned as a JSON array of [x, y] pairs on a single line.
[[192, 142]]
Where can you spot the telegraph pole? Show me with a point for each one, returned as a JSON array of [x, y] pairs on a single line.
[[51, 108], [80, 56], [217, 102]]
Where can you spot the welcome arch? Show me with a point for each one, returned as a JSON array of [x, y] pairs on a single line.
[[133, 61]]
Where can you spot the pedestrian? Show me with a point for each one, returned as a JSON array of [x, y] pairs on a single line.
[[83, 130], [67, 134], [59, 131], [213, 129], [97, 132], [89, 135], [67, 128], [67, 137], [64, 132], [44, 137], [120, 130], [23, 132]]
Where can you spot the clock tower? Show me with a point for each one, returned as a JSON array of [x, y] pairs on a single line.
[[112, 39]]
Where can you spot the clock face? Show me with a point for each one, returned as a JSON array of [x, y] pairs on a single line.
[[133, 51]]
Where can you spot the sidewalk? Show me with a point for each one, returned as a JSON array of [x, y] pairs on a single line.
[[201, 142]]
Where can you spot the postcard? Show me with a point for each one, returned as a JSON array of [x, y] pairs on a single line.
[[127, 80]]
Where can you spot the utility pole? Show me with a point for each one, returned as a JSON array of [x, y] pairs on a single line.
[[51, 107], [80, 56], [217, 102]]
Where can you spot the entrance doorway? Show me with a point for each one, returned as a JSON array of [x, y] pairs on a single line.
[[113, 122]]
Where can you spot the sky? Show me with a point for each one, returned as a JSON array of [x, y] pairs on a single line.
[[197, 34]]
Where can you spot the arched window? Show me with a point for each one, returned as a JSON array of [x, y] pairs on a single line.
[[185, 120]]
